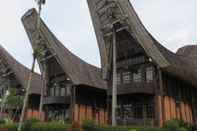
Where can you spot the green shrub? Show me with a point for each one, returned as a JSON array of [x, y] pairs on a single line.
[[36, 126], [2, 121], [89, 125], [92, 126], [10, 127], [29, 122], [178, 125], [150, 129], [14, 101], [53, 126]]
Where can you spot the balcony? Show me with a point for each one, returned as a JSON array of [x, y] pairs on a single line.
[[56, 100], [135, 88]]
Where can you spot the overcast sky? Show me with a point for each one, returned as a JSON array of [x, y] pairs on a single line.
[[171, 22]]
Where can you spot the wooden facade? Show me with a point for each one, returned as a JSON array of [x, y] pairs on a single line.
[[90, 105], [179, 99], [73, 89], [154, 84]]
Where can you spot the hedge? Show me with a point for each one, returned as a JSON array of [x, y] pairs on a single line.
[[49, 127], [109, 128], [34, 125], [172, 125], [39, 126], [91, 126]]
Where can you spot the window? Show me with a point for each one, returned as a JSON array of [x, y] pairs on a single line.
[[127, 111], [57, 114], [52, 93], [138, 111], [126, 77], [137, 77], [63, 91], [118, 80], [68, 90], [149, 109], [57, 89], [149, 74]]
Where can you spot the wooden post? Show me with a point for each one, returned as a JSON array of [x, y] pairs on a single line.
[[73, 102], [114, 86], [108, 103], [193, 107], [160, 99], [25, 102], [42, 91]]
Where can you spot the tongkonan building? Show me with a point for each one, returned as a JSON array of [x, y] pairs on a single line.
[[154, 84], [74, 89], [14, 75]]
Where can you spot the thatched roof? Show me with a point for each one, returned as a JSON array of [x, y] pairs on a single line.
[[80, 72], [180, 66], [21, 72], [189, 51]]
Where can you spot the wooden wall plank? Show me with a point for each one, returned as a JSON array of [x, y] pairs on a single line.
[[29, 113], [178, 112], [89, 113], [76, 113], [35, 114], [173, 109], [82, 113], [182, 105], [167, 108], [190, 113], [85, 112], [106, 117], [158, 108]]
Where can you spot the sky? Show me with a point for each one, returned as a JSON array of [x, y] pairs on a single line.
[[171, 22]]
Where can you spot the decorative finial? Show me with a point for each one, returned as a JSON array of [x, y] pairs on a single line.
[[40, 3]]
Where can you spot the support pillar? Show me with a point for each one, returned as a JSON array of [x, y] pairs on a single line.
[[114, 81], [73, 103], [159, 100]]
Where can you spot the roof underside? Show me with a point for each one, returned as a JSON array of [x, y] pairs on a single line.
[[80, 72], [22, 73], [177, 65]]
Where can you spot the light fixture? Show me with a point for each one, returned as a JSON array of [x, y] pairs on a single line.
[[150, 60]]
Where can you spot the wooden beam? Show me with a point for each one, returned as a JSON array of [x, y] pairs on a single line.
[[118, 30], [47, 58], [7, 74]]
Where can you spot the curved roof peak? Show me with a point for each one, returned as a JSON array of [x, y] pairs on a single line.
[[125, 14], [79, 71]]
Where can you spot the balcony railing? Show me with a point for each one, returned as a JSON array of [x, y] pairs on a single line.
[[50, 100]]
